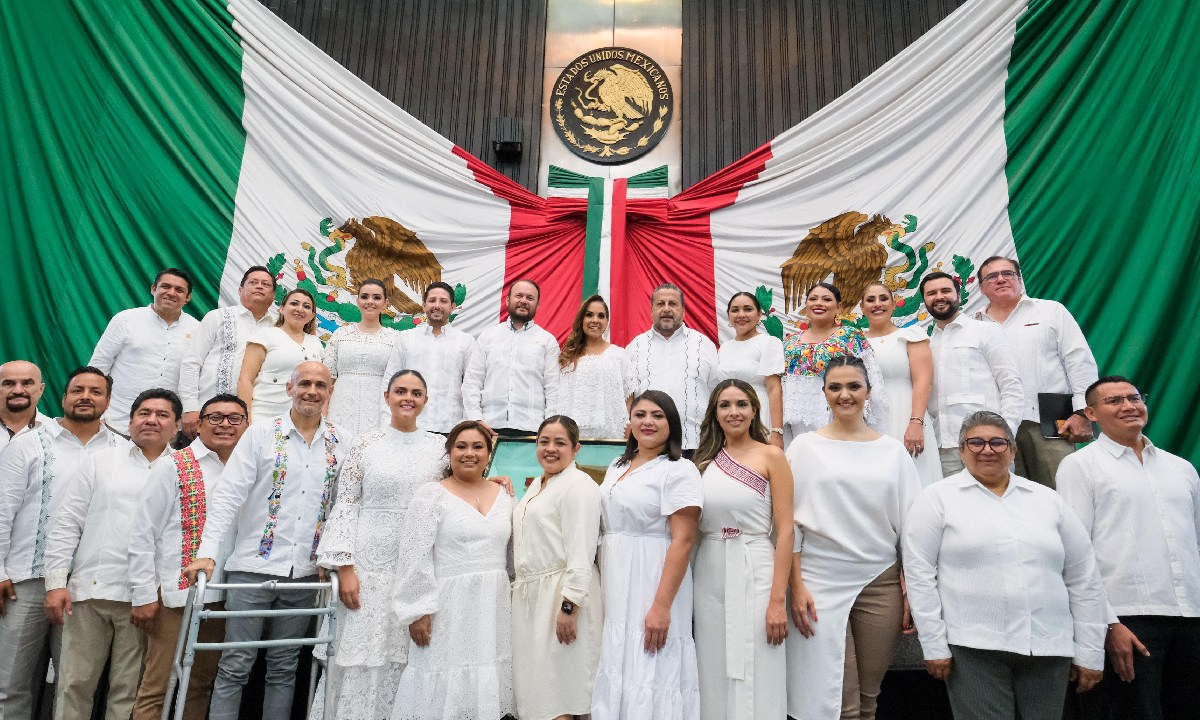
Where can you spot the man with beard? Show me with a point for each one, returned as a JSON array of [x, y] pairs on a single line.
[[675, 359], [1053, 356], [269, 511], [89, 539], [441, 353], [32, 470], [213, 358], [164, 538], [973, 368], [143, 347], [21, 389], [512, 379], [1141, 507]]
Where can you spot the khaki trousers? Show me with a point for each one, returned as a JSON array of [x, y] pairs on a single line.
[[98, 632], [160, 654], [1038, 457], [871, 635]]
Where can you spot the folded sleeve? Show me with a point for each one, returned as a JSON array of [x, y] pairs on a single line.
[[770, 360], [415, 593], [681, 487]]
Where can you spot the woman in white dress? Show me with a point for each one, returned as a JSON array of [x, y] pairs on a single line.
[[357, 355], [807, 353], [743, 562], [906, 362], [650, 506], [361, 541], [272, 354], [756, 358], [452, 591], [557, 615], [853, 488], [592, 375]]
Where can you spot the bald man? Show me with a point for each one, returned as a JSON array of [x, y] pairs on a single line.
[[271, 533], [21, 389]]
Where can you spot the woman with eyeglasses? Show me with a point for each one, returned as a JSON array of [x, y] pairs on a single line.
[[361, 541], [853, 486], [1003, 585]]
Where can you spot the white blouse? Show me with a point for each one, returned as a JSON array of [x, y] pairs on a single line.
[[753, 361]]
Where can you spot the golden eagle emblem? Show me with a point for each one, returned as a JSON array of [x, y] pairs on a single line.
[[850, 247], [611, 105], [385, 249]]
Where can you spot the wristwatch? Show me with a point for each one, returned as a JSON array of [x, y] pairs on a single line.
[[778, 431], [567, 607]]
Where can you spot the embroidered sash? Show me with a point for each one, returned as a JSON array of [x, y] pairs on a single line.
[[193, 508], [279, 474], [46, 442], [741, 473], [227, 347]]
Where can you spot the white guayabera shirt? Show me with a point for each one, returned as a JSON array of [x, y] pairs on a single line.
[[512, 380], [973, 369], [213, 360], [442, 360], [683, 366]]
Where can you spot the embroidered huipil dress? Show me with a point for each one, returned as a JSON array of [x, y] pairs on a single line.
[[356, 361], [384, 470], [804, 406], [454, 567], [742, 676]]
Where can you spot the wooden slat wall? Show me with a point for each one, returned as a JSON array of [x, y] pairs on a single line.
[[754, 68], [455, 65]]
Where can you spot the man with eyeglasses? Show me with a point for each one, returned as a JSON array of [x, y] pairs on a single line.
[[1141, 506], [87, 562], [1053, 356], [214, 357], [973, 368], [163, 539]]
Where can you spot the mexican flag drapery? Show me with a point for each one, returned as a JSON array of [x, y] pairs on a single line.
[[211, 136]]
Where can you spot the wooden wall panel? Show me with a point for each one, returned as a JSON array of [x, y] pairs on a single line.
[[754, 68], [455, 65]]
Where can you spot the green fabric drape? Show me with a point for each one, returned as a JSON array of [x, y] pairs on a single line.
[[114, 164], [1103, 131]]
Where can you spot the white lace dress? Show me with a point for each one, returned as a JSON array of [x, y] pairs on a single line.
[[454, 566], [356, 361], [593, 393], [384, 470], [631, 683]]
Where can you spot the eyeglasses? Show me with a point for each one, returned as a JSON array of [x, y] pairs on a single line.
[[218, 418], [1118, 400], [996, 444], [1006, 274]]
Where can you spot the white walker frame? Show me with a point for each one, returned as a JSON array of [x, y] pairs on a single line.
[[194, 613]]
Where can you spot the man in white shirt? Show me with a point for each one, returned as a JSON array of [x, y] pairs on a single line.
[[1141, 506], [512, 378], [269, 510], [675, 359], [143, 347], [88, 540], [973, 368], [441, 353], [21, 389], [213, 359], [1053, 357], [32, 469], [163, 540]]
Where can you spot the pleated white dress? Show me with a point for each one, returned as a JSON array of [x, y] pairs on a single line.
[[742, 676], [454, 566], [555, 530], [851, 502], [891, 352], [632, 684]]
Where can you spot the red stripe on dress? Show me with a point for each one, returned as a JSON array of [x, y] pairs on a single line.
[[741, 473]]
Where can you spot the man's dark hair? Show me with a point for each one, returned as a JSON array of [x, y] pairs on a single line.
[[181, 274], [89, 370], [439, 285], [938, 275], [157, 394], [257, 268], [224, 398], [996, 258], [1089, 395]]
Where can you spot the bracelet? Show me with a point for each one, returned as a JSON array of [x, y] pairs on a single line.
[[778, 431], [917, 420]]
